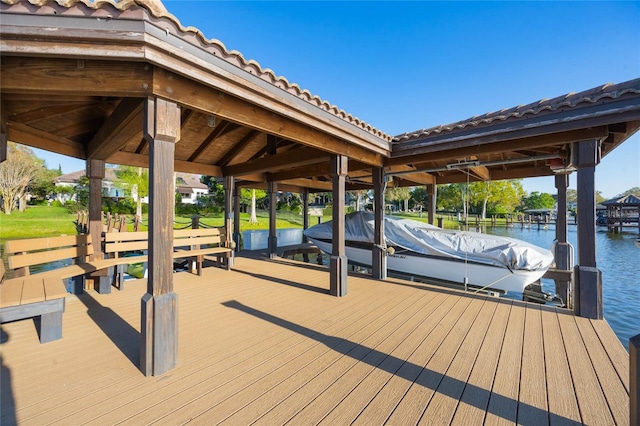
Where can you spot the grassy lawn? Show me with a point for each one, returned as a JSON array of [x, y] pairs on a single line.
[[45, 221], [37, 221]]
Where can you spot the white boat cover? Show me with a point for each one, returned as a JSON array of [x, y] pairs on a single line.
[[427, 239]]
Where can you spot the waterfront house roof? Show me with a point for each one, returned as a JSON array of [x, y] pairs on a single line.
[[76, 75], [183, 180]]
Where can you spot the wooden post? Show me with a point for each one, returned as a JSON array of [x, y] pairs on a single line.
[[273, 203], [588, 278], [563, 250], [431, 197], [236, 218], [338, 261], [159, 316], [122, 227], [305, 220], [634, 380], [99, 280], [229, 189], [305, 213], [379, 253], [4, 123]]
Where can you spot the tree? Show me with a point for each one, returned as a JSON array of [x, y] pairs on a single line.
[[398, 194], [449, 198], [136, 181], [43, 185], [250, 197], [216, 189], [419, 197], [17, 173], [632, 191], [538, 201], [479, 194], [505, 196]]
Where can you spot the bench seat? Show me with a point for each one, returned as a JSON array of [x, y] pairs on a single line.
[[34, 296], [187, 243]]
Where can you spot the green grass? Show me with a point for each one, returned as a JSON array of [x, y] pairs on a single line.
[[46, 221], [37, 221]]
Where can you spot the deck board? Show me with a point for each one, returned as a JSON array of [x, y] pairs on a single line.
[[532, 400], [503, 402], [561, 397], [591, 401], [472, 404], [266, 343]]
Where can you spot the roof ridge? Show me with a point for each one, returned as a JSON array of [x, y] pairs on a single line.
[[570, 100], [157, 9]]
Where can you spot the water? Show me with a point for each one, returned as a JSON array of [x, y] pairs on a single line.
[[619, 260]]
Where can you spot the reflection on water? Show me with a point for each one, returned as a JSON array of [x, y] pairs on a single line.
[[616, 256]]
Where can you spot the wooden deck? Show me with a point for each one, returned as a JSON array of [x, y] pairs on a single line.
[[265, 343]]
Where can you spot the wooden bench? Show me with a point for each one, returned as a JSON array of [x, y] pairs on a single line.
[[72, 253], [199, 244], [34, 296]]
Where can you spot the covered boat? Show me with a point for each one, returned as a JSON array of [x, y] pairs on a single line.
[[422, 250]]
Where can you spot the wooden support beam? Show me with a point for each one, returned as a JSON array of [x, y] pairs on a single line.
[[287, 160], [431, 202], [75, 77], [518, 173], [588, 278], [273, 202], [138, 160], [159, 332], [123, 125], [238, 147], [481, 172], [563, 251], [35, 138], [100, 280], [258, 116], [236, 217], [309, 183], [229, 190], [221, 128], [313, 170], [4, 123], [305, 213], [379, 253], [338, 262], [467, 148]]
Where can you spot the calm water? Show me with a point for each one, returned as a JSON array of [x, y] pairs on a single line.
[[619, 260]]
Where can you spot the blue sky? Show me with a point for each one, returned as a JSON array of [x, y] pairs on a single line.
[[403, 66]]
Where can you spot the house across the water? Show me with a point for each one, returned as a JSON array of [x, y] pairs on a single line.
[[187, 185]]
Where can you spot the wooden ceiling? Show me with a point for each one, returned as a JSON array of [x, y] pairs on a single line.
[[79, 90]]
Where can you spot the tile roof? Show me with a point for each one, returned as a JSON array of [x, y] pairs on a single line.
[[568, 101], [214, 46]]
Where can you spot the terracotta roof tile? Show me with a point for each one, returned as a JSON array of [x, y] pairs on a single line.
[[214, 46], [570, 100]]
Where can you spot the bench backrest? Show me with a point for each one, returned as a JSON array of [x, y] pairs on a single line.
[[22, 254], [116, 243]]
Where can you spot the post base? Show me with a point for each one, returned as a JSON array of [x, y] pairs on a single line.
[[338, 273], [159, 333]]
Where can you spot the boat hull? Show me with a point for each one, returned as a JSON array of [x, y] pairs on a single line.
[[443, 269]]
